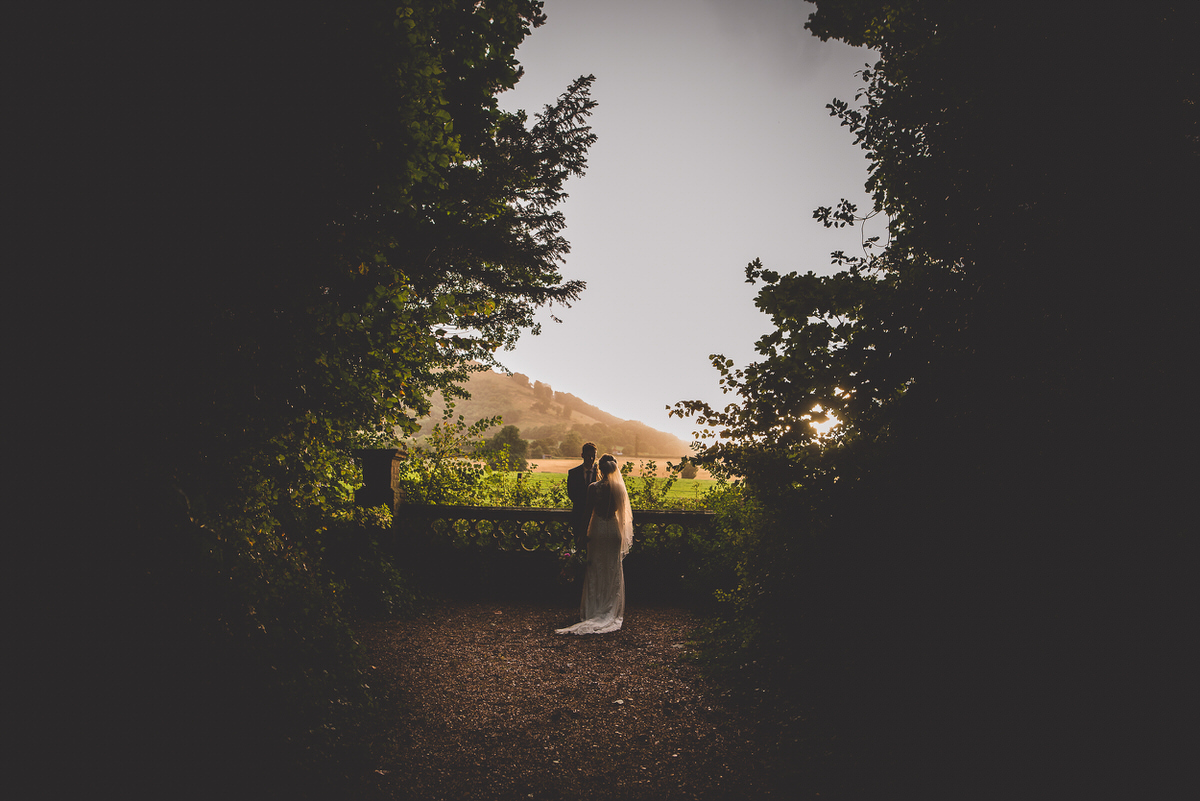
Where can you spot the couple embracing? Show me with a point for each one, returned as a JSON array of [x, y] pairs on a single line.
[[604, 519]]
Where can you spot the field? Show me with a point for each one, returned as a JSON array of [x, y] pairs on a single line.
[[689, 488], [561, 466]]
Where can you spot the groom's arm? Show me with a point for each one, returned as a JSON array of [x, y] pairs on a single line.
[[575, 492]]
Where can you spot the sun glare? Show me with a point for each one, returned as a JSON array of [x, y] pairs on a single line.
[[824, 428]]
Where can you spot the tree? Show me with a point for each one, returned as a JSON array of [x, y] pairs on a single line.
[[571, 445], [984, 330], [329, 258], [510, 449], [980, 298], [291, 225], [978, 370]]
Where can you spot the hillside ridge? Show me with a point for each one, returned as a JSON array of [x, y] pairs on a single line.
[[548, 419]]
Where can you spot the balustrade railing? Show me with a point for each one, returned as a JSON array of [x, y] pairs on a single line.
[[526, 528], [503, 527]]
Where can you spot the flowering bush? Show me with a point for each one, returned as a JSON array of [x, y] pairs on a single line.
[[572, 565]]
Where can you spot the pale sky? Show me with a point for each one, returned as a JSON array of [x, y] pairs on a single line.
[[714, 148]]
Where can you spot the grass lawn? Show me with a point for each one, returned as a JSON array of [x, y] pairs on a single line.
[[690, 488], [685, 487], [543, 479]]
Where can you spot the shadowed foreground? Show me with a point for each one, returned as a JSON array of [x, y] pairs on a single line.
[[483, 700]]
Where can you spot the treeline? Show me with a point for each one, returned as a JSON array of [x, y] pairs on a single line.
[[562, 403], [630, 438], [553, 441]]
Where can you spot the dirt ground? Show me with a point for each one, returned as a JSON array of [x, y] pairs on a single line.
[[485, 701]]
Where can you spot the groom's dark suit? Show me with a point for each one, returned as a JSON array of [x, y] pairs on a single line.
[[578, 479]]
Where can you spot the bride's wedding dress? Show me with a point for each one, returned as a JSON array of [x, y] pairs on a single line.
[[610, 535], [602, 608]]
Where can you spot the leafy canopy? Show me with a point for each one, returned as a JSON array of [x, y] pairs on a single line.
[[337, 218], [1010, 160], [300, 221], [989, 513]]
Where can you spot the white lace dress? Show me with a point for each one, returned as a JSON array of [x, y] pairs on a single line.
[[602, 608]]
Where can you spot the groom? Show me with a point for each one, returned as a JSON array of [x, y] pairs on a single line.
[[578, 480]]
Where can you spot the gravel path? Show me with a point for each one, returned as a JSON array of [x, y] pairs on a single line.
[[484, 701]]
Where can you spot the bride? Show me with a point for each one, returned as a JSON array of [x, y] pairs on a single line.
[[610, 534]]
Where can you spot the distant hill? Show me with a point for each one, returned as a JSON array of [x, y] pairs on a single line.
[[548, 419]]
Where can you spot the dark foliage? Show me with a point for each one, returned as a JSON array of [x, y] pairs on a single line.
[[985, 559], [262, 236]]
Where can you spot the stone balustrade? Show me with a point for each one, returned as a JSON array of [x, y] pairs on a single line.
[[527, 528]]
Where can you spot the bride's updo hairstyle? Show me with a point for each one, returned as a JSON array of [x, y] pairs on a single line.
[[608, 464]]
